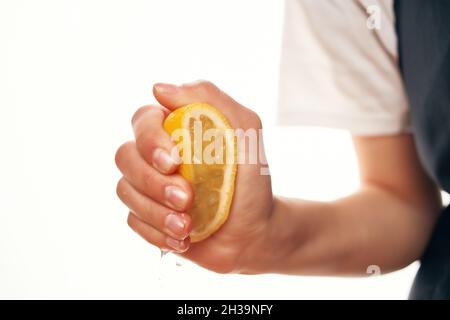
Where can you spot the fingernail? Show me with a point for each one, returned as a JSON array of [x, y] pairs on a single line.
[[162, 161], [166, 88], [176, 244], [176, 197], [175, 225]]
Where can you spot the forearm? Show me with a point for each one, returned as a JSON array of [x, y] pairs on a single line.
[[371, 227]]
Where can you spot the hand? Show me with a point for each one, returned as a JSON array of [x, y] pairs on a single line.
[[158, 198]]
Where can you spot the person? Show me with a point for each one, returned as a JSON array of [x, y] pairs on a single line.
[[388, 85]]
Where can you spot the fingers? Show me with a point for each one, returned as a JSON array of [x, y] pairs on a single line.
[[172, 191], [156, 197], [156, 237], [173, 224], [153, 143]]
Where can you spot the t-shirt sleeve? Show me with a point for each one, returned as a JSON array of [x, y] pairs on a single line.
[[340, 70]]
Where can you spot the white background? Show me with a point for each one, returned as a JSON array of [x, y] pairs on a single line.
[[71, 75]]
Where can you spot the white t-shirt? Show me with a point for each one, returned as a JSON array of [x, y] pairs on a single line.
[[339, 70]]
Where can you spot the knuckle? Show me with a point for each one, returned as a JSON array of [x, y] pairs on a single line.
[[122, 152], [206, 86], [139, 112], [156, 113], [254, 119], [150, 110], [120, 189], [130, 221], [159, 113]]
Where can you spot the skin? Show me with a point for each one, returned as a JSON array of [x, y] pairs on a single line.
[[387, 222]]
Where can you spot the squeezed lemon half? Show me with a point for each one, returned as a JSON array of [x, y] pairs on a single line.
[[208, 150]]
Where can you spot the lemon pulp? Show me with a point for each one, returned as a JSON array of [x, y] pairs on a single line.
[[211, 168]]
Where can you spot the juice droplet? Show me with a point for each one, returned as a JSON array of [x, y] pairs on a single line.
[[163, 254], [162, 267], [179, 262]]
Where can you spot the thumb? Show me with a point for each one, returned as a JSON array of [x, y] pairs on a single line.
[[172, 96]]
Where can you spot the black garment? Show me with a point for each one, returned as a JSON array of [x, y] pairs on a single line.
[[423, 30]]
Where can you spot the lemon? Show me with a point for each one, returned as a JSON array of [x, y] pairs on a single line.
[[208, 151]]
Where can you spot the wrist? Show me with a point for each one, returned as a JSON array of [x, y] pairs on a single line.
[[284, 244], [258, 255]]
